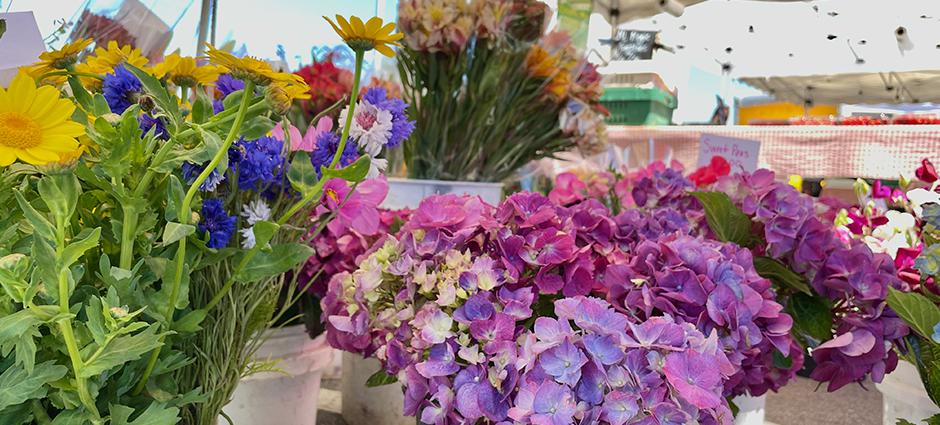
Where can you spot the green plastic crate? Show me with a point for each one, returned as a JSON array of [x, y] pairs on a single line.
[[638, 106]]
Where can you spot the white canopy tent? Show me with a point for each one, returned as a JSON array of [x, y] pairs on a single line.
[[877, 87]]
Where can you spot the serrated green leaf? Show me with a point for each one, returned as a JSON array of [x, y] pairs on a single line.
[[77, 248], [380, 378], [95, 323], [156, 414], [122, 350], [354, 173], [780, 275], [915, 309], [725, 219], [191, 322], [812, 318], [17, 331], [904, 422], [41, 226], [173, 232], [18, 415], [60, 192], [71, 417], [301, 174], [280, 259], [18, 386]]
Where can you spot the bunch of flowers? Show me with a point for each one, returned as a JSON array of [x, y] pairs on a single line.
[[464, 308], [459, 57], [850, 281], [172, 228], [714, 287]]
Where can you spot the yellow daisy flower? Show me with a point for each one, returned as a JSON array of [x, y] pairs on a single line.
[[105, 59], [35, 124], [244, 68], [59, 59], [185, 72], [370, 35]]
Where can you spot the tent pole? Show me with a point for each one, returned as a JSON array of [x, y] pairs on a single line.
[[203, 27]]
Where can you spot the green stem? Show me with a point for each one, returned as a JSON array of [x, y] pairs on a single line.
[[39, 412], [75, 73], [65, 325], [128, 231], [352, 109], [184, 216]]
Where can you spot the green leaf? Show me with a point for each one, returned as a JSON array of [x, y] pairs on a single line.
[[3, 27], [279, 260], [41, 226], [302, 175], [915, 309], [174, 198], [933, 420], [904, 422], [60, 192], [156, 414], [71, 417], [17, 323], [173, 232], [202, 108], [257, 127], [18, 386], [782, 361], [160, 95], [264, 231], [812, 318], [122, 350], [190, 322], [18, 415], [380, 378], [725, 219], [80, 93], [355, 172], [780, 275], [76, 249]]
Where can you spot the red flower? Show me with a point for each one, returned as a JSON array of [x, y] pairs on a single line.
[[710, 173], [328, 84], [926, 172]]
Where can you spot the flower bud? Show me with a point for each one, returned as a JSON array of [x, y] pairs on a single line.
[[146, 103]]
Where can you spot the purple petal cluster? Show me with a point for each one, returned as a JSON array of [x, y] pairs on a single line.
[[327, 143], [714, 287], [401, 126], [224, 86], [121, 89], [854, 279], [216, 223]]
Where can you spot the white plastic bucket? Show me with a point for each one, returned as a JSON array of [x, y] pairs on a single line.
[[288, 398], [370, 406], [408, 193], [904, 396], [751, 410]]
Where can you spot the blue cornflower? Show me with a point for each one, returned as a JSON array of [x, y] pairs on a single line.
[[147, 122], [225, 85], [121, 89], [217, 223], [401, 126], [327, 144], [259, 163], [191, 171]]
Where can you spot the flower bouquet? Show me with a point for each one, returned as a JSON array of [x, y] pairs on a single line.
[[149, 232], [490, 92], [536, 312]]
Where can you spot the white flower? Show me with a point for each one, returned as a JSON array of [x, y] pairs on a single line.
[[377, 166], [919, 197], [371, 127], [248, 237], [256, 211], [253, 212]]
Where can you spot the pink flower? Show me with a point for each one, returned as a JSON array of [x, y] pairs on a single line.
[[357, 210], [308, 141]]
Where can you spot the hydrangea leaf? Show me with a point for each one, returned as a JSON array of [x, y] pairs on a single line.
[[380, 378], [812, 318], [928, 262], [780, 275], [728, 222], [916, 310], [18, 386]]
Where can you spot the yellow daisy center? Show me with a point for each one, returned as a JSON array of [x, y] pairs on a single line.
[[19, 131]]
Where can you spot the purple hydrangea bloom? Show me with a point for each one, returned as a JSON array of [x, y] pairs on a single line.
[[121, 89], [216, 223]]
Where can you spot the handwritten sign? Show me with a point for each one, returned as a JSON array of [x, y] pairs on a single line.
[[740, 153], [633, 45], [20, 45]]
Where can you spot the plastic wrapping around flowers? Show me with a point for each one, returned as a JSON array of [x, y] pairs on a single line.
[[471, 308]]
